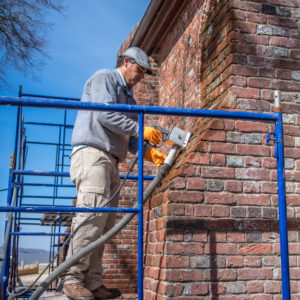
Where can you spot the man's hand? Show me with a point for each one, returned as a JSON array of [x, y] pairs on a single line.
[[155, 156], [152, 135]]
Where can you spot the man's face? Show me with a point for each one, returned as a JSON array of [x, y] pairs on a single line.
[[134, 73]]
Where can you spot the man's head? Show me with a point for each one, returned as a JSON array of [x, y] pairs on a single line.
[[134, 64]]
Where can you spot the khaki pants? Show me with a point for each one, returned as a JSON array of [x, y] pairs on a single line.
[[96, 176]]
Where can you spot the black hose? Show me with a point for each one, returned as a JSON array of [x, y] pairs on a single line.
[[108, 235]]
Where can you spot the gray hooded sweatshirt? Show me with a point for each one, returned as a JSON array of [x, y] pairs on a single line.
[[113, 132]]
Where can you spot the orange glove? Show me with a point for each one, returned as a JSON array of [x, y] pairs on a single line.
[[152, 135], [155, 156]]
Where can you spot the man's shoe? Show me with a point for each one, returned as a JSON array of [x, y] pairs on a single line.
[[77, 291], [103, 292]]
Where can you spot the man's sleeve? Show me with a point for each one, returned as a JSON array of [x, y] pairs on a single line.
[[103, 90]]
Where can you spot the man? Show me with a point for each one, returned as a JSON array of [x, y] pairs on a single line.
[[100, 140]]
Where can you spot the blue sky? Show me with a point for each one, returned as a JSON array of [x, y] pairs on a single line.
[[85, 37]]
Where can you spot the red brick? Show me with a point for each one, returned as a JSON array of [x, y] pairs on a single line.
[[219, 198], [203, 210], [252, 199], [199, 159], [244, 27], [257, 18], [273, 287], [255, 287], [235, 237], [173, 261], [182, 275], [218, 289], [246, 5], [217, 172], [249, 93], [222, 148], [246, 126], [176, 209], [295, 54], [218, 159], [180, 196], [245, 70], [177, 183], [284, 42], [174, 289], [195, 184], [220, 211], [255, 249], [252, 174], [253, 150], [258, 83], [188, 248], [214, 135], [255, 274], [220, 248], [251, 187], [234, 261], [220, 275], [199, 289]]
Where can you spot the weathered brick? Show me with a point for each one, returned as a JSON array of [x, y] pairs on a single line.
[[254, 212], [255, 274], [199, 289], [251, 187], [195, 184], [215, 185], [247, 126], [233, 186], [223, 148], [284, 42], [238, 212], [202, 211], [200, 262], [219, 198], [220, 275], [182, 275], [216, 172], [249, 93], [235, 237], [273, 287], [252, 199], [179, 196], [255, 249], [234, 261], [253, 237], [220, 211], [218, 159], [265, 30], [255, 287], [220, 248], [236, 288], [252, 174]]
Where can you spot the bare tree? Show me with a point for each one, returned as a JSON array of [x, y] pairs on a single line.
[[22, 33]]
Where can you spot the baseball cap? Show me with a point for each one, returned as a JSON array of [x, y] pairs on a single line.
[[139, 56]]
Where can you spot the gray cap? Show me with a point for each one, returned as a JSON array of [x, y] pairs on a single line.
[[139, 56]]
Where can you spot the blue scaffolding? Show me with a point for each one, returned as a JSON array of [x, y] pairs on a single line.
[[16, 173]]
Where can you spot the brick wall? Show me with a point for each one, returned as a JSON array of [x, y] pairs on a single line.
[[211, 228]]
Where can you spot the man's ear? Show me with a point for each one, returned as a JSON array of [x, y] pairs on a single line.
[[126, 61]]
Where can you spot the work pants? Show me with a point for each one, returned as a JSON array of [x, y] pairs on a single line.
[[96, 176]]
